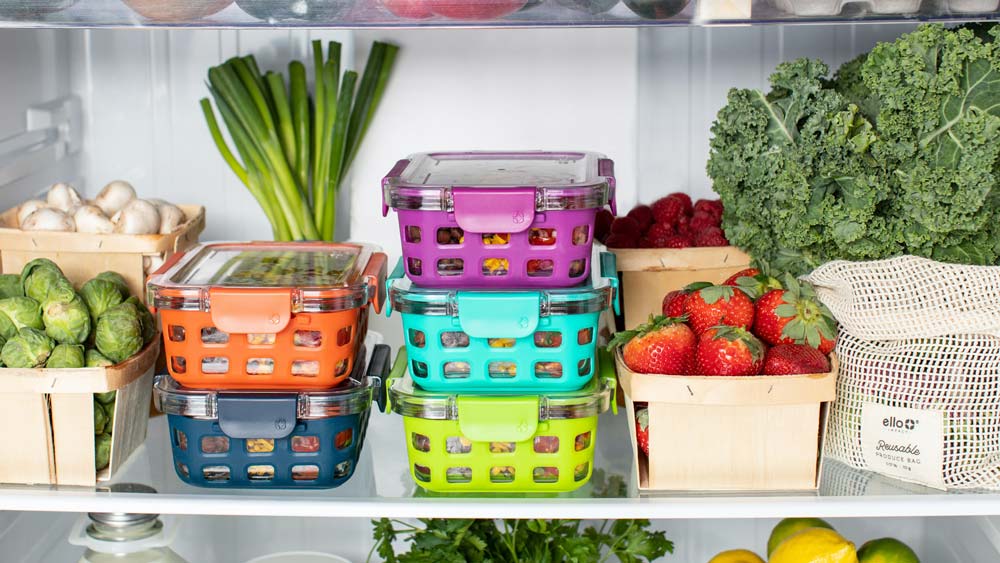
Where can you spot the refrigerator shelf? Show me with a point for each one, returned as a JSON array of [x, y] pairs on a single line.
[[382, 486]]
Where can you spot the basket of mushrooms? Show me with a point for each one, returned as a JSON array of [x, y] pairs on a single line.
[[116, 230]]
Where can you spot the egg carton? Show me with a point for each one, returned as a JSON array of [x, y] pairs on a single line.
[[834, 7]]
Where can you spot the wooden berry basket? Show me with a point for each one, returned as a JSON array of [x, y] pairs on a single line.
[[647, 274], [49, 417], [729, 433], [81, 256]]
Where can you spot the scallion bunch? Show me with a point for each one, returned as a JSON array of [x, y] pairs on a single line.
[[295, 148]]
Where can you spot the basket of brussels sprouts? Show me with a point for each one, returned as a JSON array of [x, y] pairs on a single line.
[[76, 367]]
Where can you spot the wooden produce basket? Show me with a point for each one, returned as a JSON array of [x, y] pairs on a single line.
[[647, 274], [729, 433], [84, 255], [48, 417]]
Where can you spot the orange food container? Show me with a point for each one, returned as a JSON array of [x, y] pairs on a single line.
[[266, 315]]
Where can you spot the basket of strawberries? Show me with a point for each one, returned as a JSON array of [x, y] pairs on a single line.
[[664, 246], [728, 389]]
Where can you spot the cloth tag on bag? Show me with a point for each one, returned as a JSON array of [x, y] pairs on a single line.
[[904, 443]]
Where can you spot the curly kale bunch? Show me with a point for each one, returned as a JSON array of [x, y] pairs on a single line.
[[897, 154]]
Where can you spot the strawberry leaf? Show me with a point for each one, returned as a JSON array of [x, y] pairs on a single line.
[[692, 287], [785, 310], [713, 293], [796, 330], [812, 338]]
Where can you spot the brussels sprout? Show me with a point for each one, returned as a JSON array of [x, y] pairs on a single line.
[[100, 295], [37, 276], [119, 333], [146, 318], [109, 411], [67, 322], [117, 279], [94, 359], [106, 397], [102, 451], [20, 312], [29, 349], [100, 418], [10, 286], [66, 356], [60, 291]]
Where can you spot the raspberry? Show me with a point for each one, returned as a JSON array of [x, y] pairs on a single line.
[[645, 242], [667, 210], [658, 233], [643, 215], [626, 226], [602, 224], [712, 236], [683, 225], [616, 240], [677, 241], [712, 206], [685, 201], [702, 220]]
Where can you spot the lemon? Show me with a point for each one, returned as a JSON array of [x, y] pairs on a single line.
[[886, 550], [815, 545], [736, 556], [789, 526]]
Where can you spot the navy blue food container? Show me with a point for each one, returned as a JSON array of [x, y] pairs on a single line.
[[274, 440]]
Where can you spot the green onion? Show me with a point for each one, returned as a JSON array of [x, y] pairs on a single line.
[[293, 160]]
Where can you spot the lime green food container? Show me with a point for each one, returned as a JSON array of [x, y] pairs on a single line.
[[493, 444]]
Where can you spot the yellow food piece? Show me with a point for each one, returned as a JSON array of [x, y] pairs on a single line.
[[260, 445], [496, 238], [790, 526], [886, 550], [495, 264], [815, 545], [501, 342], [736, 556]]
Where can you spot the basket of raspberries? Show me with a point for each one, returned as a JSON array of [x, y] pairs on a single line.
[[727, 389], [672, 221]]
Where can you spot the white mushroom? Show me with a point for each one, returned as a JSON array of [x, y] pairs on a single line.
[[171, 216], [90, 219], [114, 196], [27, 208], [138, 217], [63, 197], [48, 219]]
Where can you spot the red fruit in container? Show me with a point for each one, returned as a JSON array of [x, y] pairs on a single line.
[[792, 359], [744, 273], [727, 350], [626, 226], [701, 220], [645, 242], [602, 224], [642, 430], [714, 305], [664, 345], [409, 9], [674, 302], [667, 210], [712, 236], [685, 201], [474, 9], [677, 241], [659, 234], [621, 241], [711, 206], [643, 215], [683, 225], [758, 285], [795, 316]]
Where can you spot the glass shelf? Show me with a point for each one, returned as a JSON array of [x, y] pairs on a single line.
[[479, 13], [381, 486]]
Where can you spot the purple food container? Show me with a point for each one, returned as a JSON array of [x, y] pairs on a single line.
[[498, 219]]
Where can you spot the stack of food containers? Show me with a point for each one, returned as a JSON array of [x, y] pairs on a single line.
[[500, 317], [264, 343]]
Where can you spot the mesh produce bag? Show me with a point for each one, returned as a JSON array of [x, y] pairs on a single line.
[[918, 393]]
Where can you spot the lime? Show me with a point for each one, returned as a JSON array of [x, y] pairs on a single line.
[[736, 556], [790, 526], [815, 545], [886, 550]]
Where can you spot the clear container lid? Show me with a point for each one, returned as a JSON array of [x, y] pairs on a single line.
[[302, 276], [590, 297], [409, 400], [549, 180]]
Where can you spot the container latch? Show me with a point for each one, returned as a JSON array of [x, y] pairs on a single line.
[[256, 415], [250, 311], [485, 314], [494, 210], [497, 419]]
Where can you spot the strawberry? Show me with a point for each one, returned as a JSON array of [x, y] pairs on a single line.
[[616, 240], [744, 273], [642, 430], [663, 345], [757, 285], [677, 241], [712, 236], [727, 350], [701, 220], [673, 303], [626, 226], [711, 206], [668, 209], [642, 215], [790, 359], [795, 316], [602, 224], [659, 233], [718, 305]]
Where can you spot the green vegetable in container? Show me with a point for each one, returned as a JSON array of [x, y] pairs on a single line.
[[102, 451], [106, 397], [94, 359], [146, 318], [19, 312], [109, 411], [100, 418], [117, 279], [37, 276], [29, 349], [119, 333], [10, 286], [100, 295], [67, 322], [60, 291], [66, 356]]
